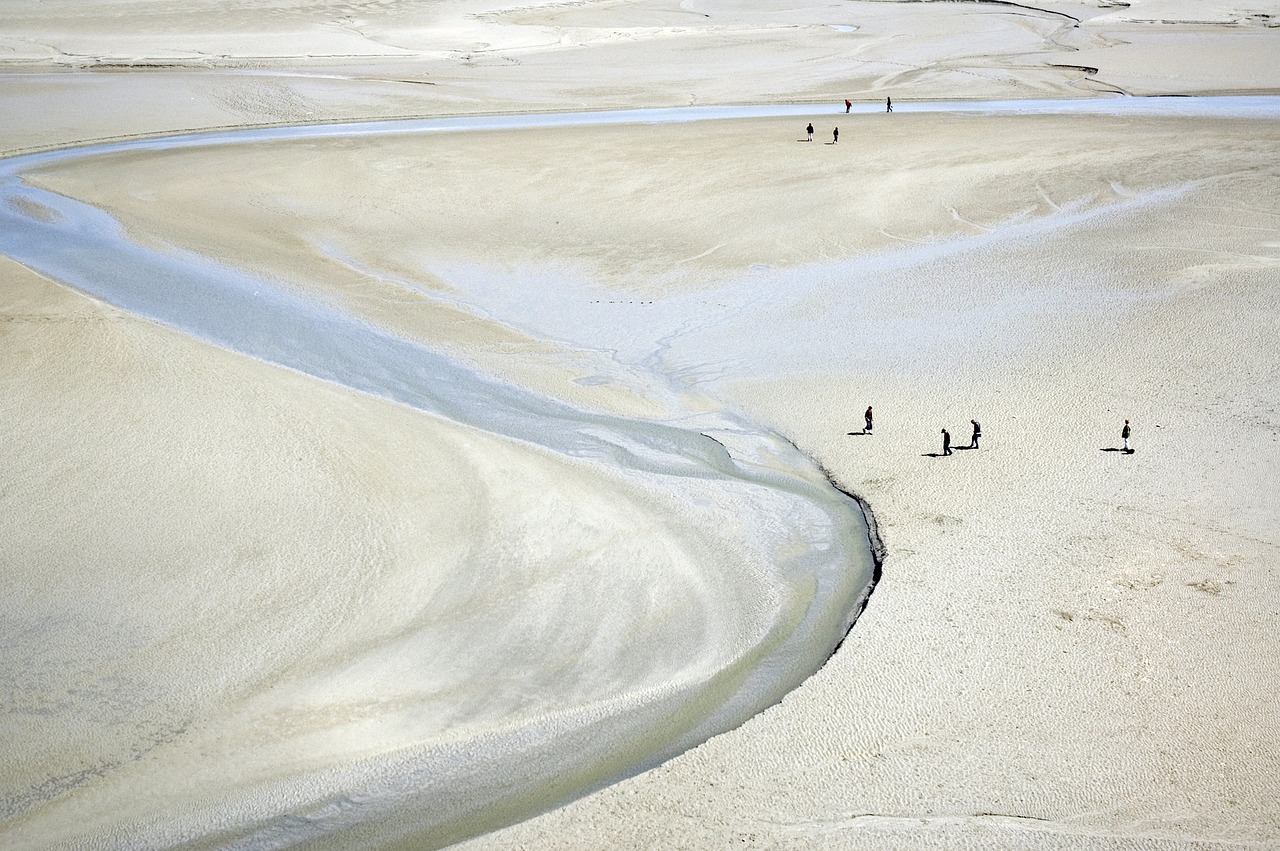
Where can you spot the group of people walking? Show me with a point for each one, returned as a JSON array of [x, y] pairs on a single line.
[[973, 441], [869, 417], [835, 133], [888, 105]]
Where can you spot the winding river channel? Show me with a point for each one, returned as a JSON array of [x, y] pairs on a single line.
[[809, 562]]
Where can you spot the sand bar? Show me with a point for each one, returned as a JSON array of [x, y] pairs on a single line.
[[1069, 649]]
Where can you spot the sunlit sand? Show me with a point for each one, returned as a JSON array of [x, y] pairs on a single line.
[[487, 485]]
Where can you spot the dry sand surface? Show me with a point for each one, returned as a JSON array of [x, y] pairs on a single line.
[[264, 62], [245, 607]]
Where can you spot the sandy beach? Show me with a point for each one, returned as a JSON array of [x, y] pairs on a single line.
[[501, 487]]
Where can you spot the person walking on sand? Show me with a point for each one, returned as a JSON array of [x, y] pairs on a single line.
[[848, 104], [977, 433], [1124, 435], [946, 442], [888, 104], [835, 136], [809, 131], [867, 416]]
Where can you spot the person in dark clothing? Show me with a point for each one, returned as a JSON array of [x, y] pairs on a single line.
[[835, 136], [809, 131], [1124, 435], [867, 416], [888, 104], [977, 433], [946, 442]]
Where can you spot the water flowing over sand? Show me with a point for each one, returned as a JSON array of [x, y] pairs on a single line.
[[713, 568], [385, 593], [417, 415]]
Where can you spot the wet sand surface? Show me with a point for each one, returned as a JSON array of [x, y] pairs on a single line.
[[256, 606]]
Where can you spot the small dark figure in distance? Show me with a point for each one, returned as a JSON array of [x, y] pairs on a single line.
[[867, 416], [1124, 435], [888, 104], [946, 442], [809, 132], [835, 136], [848, 104], [977, 433]]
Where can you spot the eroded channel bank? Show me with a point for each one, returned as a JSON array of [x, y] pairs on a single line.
[[768, 614], [743, 481]]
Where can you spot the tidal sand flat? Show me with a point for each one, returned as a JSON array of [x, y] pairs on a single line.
[[417, 687], [75, 70], [379, 491]]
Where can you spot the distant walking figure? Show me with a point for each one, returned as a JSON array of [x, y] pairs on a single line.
[[946, 442], [835, 136], [867, 415], [848, 104], [888, 104], [1124, 435], [977, 433], [809, 130]]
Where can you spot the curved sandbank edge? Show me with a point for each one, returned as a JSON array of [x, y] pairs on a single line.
[[651, 448]]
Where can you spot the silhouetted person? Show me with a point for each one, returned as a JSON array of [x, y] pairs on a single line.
[[946, 442], [835, 136], [848, 104], [867, 415], [977, 433], [1124, 435], [888, 104], [809, 131]]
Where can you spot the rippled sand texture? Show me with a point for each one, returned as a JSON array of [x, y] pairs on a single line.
[[1071, 648], [527, 598], [238, 587], [1007, 319]]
